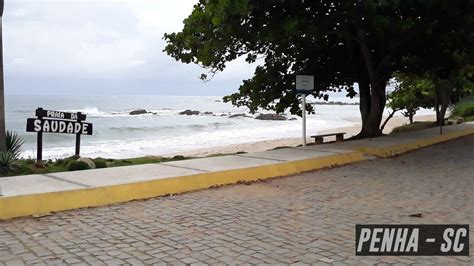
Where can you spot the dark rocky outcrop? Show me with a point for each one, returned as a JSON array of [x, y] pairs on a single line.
[[238, 115], [271, 117], [208, 113], [138, 112], [190, 112]]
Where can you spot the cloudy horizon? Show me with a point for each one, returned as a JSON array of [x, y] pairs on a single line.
[[102, 47]]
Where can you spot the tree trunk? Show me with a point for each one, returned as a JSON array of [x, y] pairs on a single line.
[[2, 90], [444, 92], [372, 93], [372, 104], [411, 118]]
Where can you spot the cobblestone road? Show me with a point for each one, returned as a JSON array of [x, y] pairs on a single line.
[[308, 218]]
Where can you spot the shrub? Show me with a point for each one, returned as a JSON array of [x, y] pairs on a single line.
[[8, 163], [77, 166], [60, 162], [464, 109], [179, 158], [413, 127], [14, 144], [100, 163]]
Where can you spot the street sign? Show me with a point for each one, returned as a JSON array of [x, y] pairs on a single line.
[[60, 115], [304, 84], [58, 126], [49, 121]]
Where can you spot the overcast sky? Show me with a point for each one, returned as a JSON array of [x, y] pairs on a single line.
[[102, 47]]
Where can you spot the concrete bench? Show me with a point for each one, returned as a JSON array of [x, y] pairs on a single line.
[[319, 139]]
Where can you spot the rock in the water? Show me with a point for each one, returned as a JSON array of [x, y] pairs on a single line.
[[190, 112], [139, 112], [271, 117], [238, 115], [88, 162], [208, 113], [293, 119]]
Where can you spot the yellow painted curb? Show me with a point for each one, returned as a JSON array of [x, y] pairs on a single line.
[[393, 150], [24, 205]]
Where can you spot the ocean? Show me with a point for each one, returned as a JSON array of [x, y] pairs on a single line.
[[117, 134]]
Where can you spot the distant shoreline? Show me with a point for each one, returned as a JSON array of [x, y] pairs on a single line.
[[334, 103], [293, 142]]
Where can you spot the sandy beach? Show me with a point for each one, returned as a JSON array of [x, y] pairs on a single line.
[[291, 142]]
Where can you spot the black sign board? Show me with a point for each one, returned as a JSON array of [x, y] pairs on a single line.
[[49, 121], [58, 126], [60, 115]]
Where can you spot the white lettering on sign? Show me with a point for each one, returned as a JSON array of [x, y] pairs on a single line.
[[62, 126], [46, 126], [70, 128], [54, 126], [84, 128], [58, 126], [37, 124], [77, 128], [55, 114]]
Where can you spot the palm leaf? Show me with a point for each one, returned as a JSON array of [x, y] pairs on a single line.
[[14, 144]]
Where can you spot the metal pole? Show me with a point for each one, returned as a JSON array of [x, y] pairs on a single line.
[[303, 100], [39, 141], [78, 136]]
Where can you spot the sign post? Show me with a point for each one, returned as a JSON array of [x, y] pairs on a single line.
[[48, 121], [78, 136], [39, 144], [304, 86]]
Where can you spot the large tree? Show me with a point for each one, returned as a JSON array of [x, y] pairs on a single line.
[[339, 42], [3, 146]]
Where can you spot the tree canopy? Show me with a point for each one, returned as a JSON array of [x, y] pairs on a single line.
[[339, 42]]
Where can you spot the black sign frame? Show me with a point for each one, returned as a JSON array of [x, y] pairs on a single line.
[[51, 121]]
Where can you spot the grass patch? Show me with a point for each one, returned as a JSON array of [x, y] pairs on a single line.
[[281, 147], [469, 118], [413, 127], [225, 154], [30, 167]]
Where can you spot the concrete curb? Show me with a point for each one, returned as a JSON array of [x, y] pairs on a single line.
[[394, 150], [34, 204]]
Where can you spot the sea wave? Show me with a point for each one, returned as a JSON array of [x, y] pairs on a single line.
[[95, 112], [156, 128]]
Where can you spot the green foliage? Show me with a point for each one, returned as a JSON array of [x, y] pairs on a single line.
[[464, 108], [14, 144], [8, 163], [77, 166], [100, 163], [412, 93], [339, 42], [413, 127]]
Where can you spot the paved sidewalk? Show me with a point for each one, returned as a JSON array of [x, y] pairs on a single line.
[[307, 218]]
